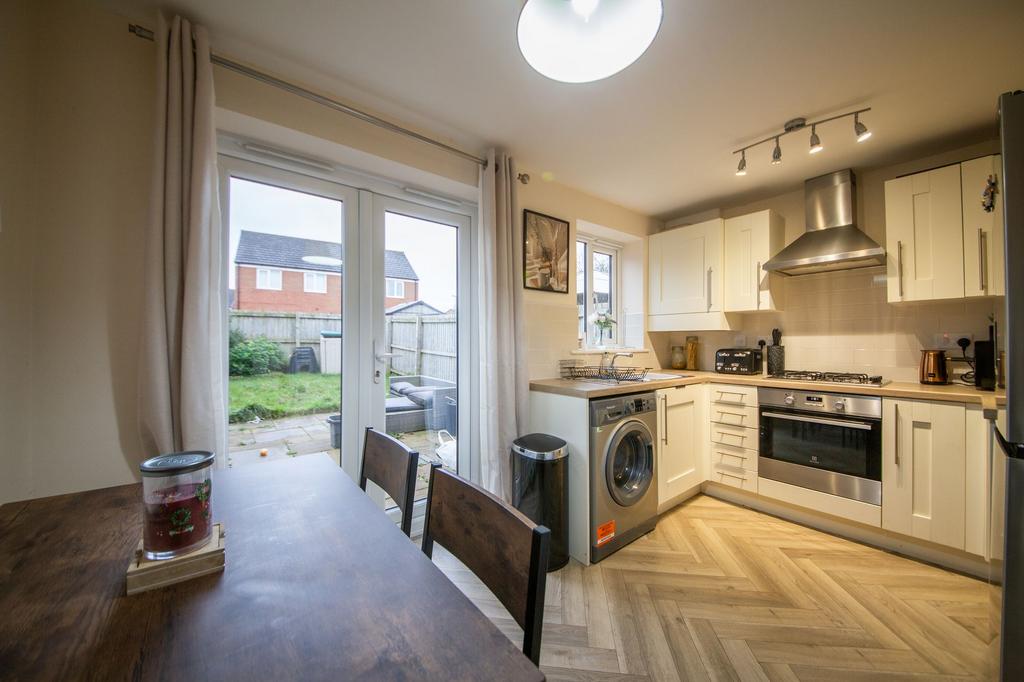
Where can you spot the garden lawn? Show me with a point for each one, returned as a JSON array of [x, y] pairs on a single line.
[[275, 395]]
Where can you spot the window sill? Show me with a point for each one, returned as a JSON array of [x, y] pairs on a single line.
[[610, 349]]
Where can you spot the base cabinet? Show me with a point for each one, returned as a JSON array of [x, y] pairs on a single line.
[[923, 470], [682, 422]]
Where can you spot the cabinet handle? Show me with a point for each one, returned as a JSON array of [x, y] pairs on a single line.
[[664, 411], [709, 290], [899, 265], [757, 286], [982, 261], [896, 423], [738, 478], [742, 458]]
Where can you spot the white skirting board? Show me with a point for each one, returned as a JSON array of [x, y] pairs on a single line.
[[876, 537]]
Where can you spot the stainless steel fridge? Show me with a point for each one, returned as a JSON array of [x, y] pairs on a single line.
[[1007, 515]]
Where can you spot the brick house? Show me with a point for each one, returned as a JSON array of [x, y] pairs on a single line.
[[275, 273]]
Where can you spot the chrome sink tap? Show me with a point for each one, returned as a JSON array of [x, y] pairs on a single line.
[[614, 356]]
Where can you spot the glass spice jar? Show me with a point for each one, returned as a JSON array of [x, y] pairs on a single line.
[[176, 503]]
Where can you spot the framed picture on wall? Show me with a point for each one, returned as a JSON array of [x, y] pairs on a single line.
[[545, 252]]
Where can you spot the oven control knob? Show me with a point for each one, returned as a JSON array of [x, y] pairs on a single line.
[[840, 405], [790, 400]]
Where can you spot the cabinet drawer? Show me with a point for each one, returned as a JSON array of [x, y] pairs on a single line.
[[737, 478], [733, 458], [734, 415], [734, 395], [736, 436]]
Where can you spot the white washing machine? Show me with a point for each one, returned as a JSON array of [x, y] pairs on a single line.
[[623, 490]]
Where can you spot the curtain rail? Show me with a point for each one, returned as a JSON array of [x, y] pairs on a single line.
[[147, 34]]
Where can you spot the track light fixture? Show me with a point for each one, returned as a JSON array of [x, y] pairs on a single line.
[[793, 125], [859, 129], [741, 169], [815, 140]]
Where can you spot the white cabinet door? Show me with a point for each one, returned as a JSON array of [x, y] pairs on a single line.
[[923, 468], [682, 422], [750, 240], [924, 236], [686, 270], [982, 230]]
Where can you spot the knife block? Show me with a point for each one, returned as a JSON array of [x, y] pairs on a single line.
[[776, 360]]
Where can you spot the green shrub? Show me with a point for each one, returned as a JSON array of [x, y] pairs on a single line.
[[250, 412], [255, 356], [235, 337]]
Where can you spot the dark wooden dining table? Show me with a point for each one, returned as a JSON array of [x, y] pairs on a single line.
[[319, 583]]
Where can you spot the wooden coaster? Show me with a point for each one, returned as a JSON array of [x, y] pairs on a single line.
[[144, 574]]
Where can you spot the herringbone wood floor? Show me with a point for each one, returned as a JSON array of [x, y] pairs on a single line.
[[720, 592]]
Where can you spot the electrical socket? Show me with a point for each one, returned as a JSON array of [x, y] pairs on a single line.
[[947, 340], [766, 340]]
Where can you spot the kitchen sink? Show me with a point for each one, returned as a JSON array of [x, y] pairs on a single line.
[[658, 376]]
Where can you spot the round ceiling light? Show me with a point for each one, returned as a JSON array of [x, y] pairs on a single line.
[[578, 41]]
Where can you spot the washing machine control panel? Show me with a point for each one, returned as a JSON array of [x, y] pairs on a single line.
[[609, 410]]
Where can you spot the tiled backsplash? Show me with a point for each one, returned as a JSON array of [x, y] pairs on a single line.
[[841, 321]]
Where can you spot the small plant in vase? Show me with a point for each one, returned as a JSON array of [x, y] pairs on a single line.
[[603, 322]]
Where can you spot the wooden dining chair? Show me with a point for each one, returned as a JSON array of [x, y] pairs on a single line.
[[391, 465], [500, 545]]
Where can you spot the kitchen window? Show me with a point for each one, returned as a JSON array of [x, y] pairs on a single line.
[[314, 283], [598, 292], [267, 278], [395, 288]]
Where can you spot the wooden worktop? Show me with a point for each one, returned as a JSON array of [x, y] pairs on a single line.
[[957, 393]]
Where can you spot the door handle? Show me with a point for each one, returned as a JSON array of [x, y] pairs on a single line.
[[982, 261], [899, 265], [896, 423], [380, 358], [757, 286], [708, 292], [664, 412]]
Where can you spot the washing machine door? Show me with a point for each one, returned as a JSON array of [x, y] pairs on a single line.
[[629, 462]]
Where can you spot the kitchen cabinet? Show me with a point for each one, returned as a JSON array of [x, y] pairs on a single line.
[[981, 451], [680, 450], [923, 470], [685, 278], [733, 436], [750, 240], [924, 236], [982, 230]]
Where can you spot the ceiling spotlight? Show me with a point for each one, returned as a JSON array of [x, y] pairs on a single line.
[[741, 169], [815, 141], [777, 153], [859, 129]]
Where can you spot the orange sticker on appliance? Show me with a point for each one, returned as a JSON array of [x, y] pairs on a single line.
[[605, 532]]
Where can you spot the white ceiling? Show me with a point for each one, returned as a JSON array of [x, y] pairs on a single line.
[[658, 136]]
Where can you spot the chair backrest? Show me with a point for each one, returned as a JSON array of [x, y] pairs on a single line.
[[391, 465], [501, 546]]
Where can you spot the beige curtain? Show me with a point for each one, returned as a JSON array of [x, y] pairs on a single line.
[[503, 373], [182, 365]]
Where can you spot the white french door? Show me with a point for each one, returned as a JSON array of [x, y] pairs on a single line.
[[377, 288]]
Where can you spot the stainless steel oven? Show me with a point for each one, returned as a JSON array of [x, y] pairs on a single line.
[[830, 442]]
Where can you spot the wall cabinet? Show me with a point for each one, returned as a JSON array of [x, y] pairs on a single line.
[[982, 230], [923, 470], [685, 278], [941, 243], [750, 240], [924, 236], [682, 422]]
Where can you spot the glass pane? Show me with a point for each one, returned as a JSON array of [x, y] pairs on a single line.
[[581, 288], [421, 334], [603, 325], [284, 388]]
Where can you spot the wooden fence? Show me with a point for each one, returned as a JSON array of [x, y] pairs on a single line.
[[422, 344]]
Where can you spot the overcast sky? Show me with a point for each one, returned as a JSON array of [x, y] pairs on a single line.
[[430, 248]]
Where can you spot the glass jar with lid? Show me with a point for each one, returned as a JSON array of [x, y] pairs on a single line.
[[176, 491]]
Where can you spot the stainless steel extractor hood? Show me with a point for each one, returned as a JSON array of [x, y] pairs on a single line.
[[832, 240]]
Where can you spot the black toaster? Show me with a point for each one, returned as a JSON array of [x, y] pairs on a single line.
[[738, 360]]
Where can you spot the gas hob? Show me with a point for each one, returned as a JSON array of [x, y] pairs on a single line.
[[831, 377]]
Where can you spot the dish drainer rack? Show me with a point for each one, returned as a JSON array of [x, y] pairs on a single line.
[[599, 373]]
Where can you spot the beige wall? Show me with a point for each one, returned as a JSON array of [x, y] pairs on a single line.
[[74, 223], [551, 321], [842, 321], [15, 250]]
